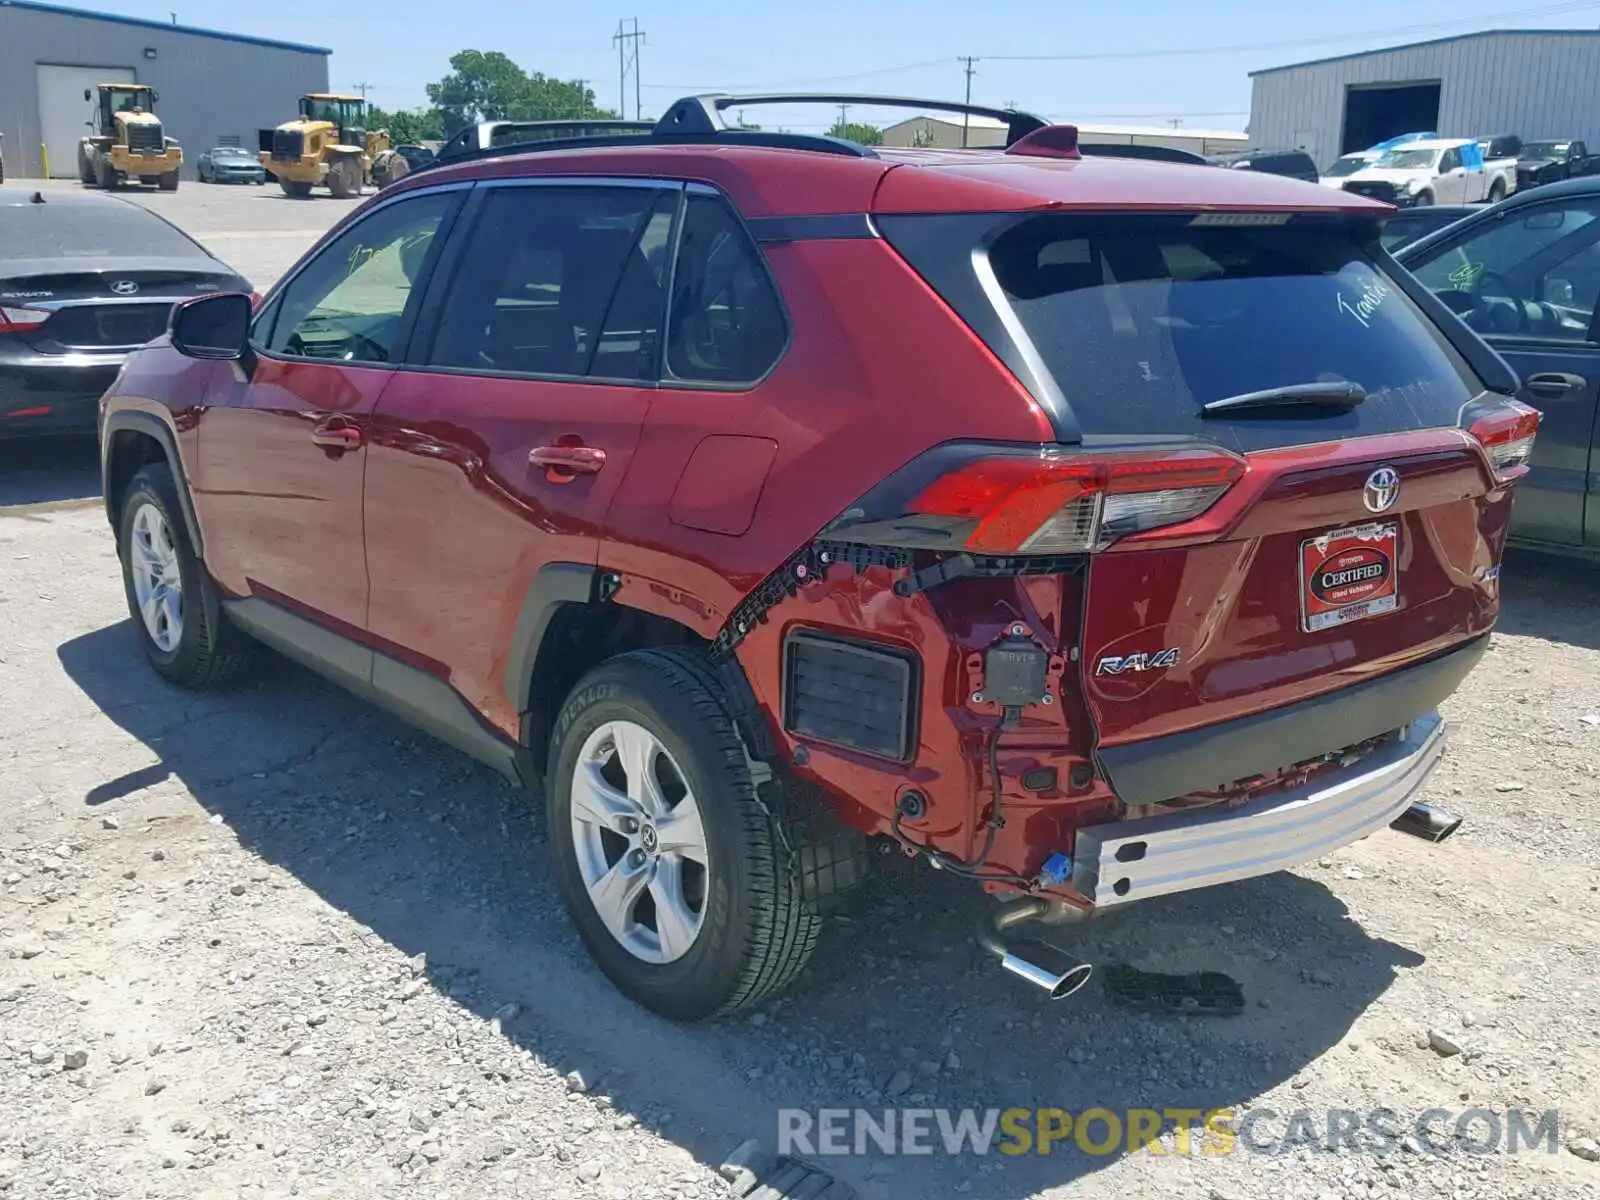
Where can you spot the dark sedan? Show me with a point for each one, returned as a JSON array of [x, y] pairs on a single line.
[[230, 164], [84, 279], [1525, 273]]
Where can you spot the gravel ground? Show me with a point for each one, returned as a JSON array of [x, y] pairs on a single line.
[[269, 942]]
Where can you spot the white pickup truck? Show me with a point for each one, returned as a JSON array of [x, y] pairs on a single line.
[[1434, 171]]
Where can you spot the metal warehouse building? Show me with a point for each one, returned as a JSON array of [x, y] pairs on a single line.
[[215, 88], [1538, 84]]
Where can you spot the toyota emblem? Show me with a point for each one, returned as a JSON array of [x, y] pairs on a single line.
[[124, 287], [1382, 490]]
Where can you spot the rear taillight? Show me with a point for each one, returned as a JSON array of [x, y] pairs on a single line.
[[1506, 429], [18, 320], [1050, 501]]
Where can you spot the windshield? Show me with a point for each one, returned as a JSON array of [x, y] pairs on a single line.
[[1409, 160], [1545, 149], [231, 152], [343, 113], [128, 99], [1348, 165], [88, 230]]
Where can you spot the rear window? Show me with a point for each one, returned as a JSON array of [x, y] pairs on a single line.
[[1142, 321], [80, 229]]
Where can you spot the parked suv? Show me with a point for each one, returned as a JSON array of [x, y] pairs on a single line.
[[1088, 529]]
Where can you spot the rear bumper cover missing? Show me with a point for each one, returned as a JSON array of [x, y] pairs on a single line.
[[1124, 861]]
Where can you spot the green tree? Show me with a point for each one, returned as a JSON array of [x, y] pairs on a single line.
[[408, 126], [488, 86], [857, 131]]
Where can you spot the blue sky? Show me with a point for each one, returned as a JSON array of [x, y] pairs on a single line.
[[906, 47]]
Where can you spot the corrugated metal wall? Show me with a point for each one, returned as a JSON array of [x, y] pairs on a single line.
[[210, 87], [1537, 85]]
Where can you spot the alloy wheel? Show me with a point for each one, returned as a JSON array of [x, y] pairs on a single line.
[[640, 842], [157, 578]]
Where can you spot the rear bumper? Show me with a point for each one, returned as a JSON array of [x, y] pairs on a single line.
[[133, 163], [53, 393], [1124, 861], [1215, 756]]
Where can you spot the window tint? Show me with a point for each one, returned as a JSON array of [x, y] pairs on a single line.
[[349, 302], [1141, 321], [563, 281], [1531, 273], [1449, 161], [727, 322]]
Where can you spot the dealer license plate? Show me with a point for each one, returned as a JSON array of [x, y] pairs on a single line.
[[1349, 574]]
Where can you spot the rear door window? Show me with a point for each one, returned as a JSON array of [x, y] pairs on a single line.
[[559, 281], [1142, 321]]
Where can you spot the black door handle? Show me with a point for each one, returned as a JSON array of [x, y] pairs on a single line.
[[1554, 382]]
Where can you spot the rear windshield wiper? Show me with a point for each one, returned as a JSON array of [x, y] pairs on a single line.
[[1342, 396]]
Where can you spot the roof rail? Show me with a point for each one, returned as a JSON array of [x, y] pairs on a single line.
[[1153, 153], [698, 120], [703, 114]]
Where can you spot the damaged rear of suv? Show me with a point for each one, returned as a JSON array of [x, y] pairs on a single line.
[[1091, 529]]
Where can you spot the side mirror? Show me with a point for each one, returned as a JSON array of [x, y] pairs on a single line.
[[87, 94], [212, 327], [155, 96]]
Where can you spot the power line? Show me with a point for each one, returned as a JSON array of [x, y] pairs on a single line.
[[1548, 10], [685, 89], [628, 42], [966, 118]]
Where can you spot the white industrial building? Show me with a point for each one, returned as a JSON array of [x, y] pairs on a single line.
[[215, 88], [946, 133], [1539, 84]]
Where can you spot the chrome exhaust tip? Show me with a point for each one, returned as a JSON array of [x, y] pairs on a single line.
[[991, 936], [1059, 987], [1426, 822]]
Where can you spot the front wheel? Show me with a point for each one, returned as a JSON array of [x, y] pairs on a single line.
[[344, 178], [168, 182], [295, 189], [1424, 200], [185, 636], [677, 874]]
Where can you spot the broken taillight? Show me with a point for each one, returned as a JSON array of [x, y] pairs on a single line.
[[1506, 429], [1042, 501]]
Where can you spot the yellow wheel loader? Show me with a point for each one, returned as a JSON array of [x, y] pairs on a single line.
[[128, 144], [328, 145]]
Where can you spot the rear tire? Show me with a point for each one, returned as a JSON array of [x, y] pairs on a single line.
[[752, 930], [298, 191], [168, 182], [180, 626], [105, 175], [1497, 191], [85, 168], [344, 178]]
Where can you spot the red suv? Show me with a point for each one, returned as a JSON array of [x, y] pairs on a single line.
[[1091, 528]]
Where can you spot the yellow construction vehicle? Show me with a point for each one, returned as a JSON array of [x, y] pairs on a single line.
[[329, 144], [128, 142]]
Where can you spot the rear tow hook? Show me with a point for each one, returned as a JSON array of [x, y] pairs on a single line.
[[991, 936]]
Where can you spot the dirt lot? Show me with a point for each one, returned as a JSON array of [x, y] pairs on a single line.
[[268, 942]]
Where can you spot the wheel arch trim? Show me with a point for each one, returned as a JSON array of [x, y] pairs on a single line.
[[152, 426]]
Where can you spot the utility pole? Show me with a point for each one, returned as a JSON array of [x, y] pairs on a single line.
[[966, 118], [844, 120], [628, 41], [362, 88], [583, 97]]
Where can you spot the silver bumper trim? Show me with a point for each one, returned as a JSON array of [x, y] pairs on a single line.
[[1124, 861]]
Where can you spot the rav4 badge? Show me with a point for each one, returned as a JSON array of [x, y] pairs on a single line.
[[1113, 664]]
